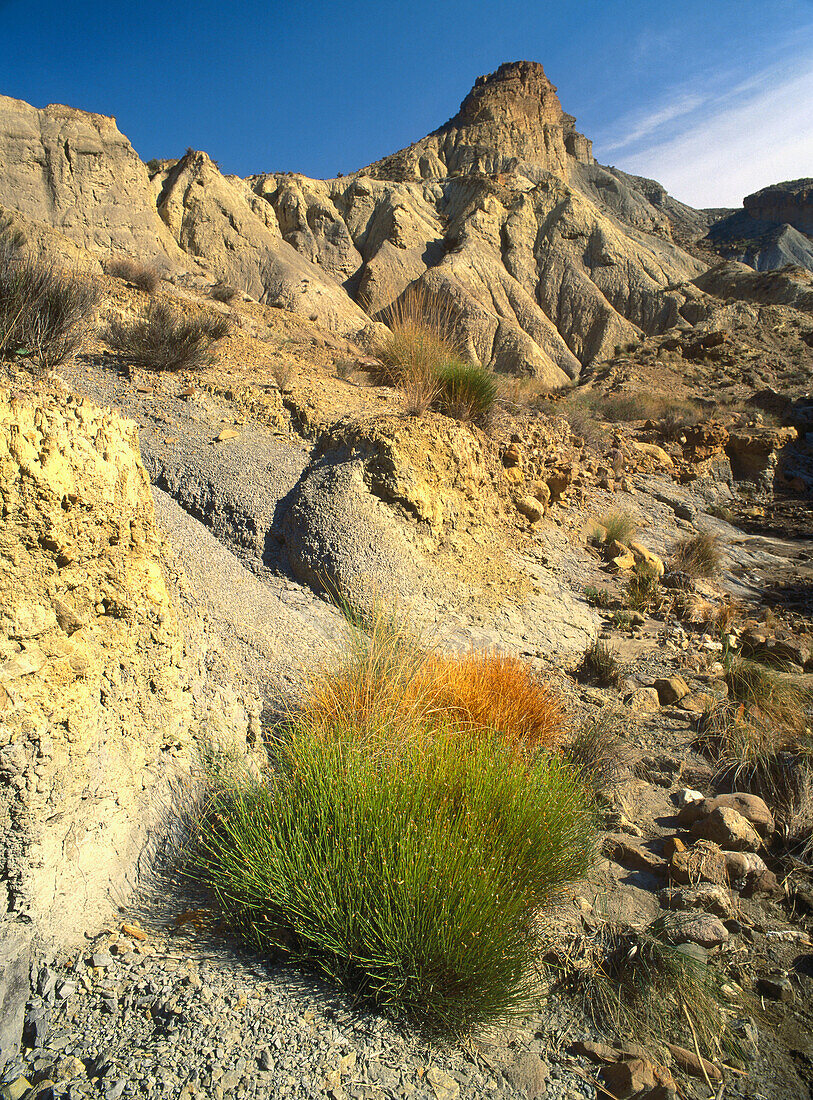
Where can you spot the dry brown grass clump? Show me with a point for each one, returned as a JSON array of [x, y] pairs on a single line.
[[643, 590], [165, 339], [698, 555], [777, 697], [144, 276], [46, 311], [223, 292], [388, 676], [494, 691]]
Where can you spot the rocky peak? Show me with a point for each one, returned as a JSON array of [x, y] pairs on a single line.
[[518, 92], [510, 122]]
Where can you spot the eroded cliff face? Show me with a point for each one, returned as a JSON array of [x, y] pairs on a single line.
[[789, 203], [96, 716], [548, 260], [77, 173]]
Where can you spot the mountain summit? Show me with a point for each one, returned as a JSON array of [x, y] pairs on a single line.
[[546, 259], [510, 120]]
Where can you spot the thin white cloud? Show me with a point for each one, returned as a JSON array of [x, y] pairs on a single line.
[[648, 124], [725, 146]]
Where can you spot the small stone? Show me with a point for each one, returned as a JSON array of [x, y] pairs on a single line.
[[671, 690], [775, 989], [443, 1086], [688, 797], [630, 1078], [632, 855], [729, 829], [529, 507], [697, 702], [266, 1061], [15, 1089], [645, 557], [596, 1052], [227, 433], [643, 701], [750, 806], [688, 1061], [707, 896], [134, 932], [529, 1075], [700, 928], [672, 845], [101, 959]]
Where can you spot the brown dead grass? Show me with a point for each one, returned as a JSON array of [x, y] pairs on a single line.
[[389, 678], [495, 691]]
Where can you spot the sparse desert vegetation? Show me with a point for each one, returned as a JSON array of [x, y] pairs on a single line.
[[45, 310], [165, 339], [421, 356], [620, 526], [146, 277], [699, 555]]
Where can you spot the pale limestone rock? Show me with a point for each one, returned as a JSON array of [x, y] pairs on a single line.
[[75, 172], [220, 220]]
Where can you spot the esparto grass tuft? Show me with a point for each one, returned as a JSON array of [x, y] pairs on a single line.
[[620, 526], [402, 846], [45, 310], [699, 555], [421, 355], [600, 664], [144, 276]]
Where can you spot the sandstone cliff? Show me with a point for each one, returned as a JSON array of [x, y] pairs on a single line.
[[75, 172], [773, 229], [95, 739]]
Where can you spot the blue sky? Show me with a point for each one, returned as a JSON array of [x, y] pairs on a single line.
[[712, 98]]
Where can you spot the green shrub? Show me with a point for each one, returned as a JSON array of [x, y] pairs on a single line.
[[44, 310], [412, 876], [466, 391], [598, 597], [165, 339], [402, 850]]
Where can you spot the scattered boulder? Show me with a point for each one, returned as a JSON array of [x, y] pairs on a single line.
[[750, 806], [706, 896], [645, 557], [729, 829], [701, 928], [688, 1061], [530, 507], [775, 987], [671, 691], [643, 700]]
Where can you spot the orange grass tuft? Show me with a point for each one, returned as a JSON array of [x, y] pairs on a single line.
[[493, 691], [392, 683]]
